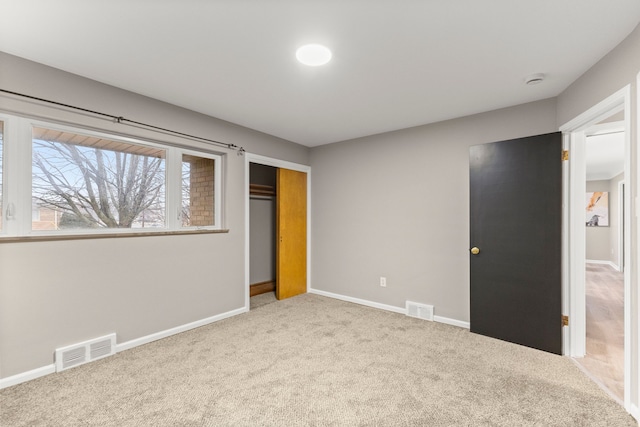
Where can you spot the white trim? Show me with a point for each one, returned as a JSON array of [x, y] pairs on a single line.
[[603, 262], [392, 308], [566, 307], [632, 306], [574, 259], [178, 329], [634, 411], [51, 369], [605, 108], [452, 322], [269, 161], [18, 146], [577, 246], [27, 376], [609, 127], [621, 231]]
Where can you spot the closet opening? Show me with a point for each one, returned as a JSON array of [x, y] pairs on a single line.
[[262, 238]]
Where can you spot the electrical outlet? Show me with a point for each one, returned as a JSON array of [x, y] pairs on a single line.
[[383, 282]]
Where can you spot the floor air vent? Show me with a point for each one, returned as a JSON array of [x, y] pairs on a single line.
[[421, 311], [88, 351]]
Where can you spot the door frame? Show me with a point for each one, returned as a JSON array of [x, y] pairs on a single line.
[[622, 202], [270, 161], [574, 242]]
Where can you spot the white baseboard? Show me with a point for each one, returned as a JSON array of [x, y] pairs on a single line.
[[634, 411], [167, 333], [400, 310], [452, 322], [27, 376], [609, 263], [50, 369]]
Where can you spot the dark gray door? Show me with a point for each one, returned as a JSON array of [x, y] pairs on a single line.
[[515, 223]]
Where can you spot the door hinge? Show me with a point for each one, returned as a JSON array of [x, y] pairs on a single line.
[[565, 155], [565, 320]]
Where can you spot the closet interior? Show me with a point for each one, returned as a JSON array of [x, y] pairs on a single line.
[[262, 232]]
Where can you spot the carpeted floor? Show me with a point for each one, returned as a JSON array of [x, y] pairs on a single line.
[[315, 361], [263, 299]]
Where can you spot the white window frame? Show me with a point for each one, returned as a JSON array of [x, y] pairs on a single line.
[[17, 180], [217, 196]]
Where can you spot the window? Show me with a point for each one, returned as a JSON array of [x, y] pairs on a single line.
[[198, 191], [86, 182]]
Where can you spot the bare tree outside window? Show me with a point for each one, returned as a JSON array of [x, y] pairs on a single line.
[[185, 212], [95, 186]]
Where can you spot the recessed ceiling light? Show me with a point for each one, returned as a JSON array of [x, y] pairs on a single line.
[[313, 54], [534, 79]]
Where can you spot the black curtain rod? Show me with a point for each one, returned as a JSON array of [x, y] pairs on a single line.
[[120, 119]]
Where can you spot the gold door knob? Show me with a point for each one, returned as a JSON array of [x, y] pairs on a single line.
[[475, 250]]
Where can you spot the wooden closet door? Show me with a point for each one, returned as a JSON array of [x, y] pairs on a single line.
[[291, 233]]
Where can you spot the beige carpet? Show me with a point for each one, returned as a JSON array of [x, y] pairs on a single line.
[[314, 361], [263, 299]]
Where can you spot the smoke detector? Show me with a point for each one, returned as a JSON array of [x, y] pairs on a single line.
[[534, 79]]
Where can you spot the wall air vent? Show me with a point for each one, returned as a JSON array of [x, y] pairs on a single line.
[[87, 351], [420, 311]]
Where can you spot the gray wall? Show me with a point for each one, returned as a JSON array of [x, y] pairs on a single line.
[[58, 293], [617, 69], [262, 227], [396, 205], [262, 240], [603, 242]]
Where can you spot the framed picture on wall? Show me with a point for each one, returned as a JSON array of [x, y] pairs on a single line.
[[597, 213]]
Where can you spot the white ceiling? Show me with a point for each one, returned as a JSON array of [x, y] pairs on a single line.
[[396, 64]]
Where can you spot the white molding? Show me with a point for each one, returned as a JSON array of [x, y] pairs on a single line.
[[609, 127], [621, 224], [392, 308], [452, 322], [51, 369], [277, 163], [605, 108], [577, 245], [574, 261], [566, 298], [27, 376], [178, 329], [603, 262], [634, 411], [270, 161]]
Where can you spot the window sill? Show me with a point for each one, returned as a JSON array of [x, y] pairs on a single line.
[[54, 237]]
